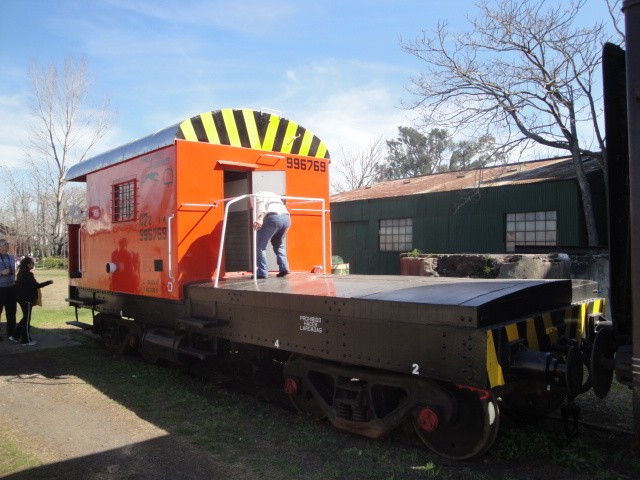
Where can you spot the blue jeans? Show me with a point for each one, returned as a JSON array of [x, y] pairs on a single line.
[[274, 228]]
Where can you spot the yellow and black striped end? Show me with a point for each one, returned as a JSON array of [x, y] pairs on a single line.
[[252, 129], [539, 333]]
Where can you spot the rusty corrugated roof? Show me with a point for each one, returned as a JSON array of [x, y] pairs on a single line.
[[547, 170]]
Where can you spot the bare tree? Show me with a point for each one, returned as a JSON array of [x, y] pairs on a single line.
[[18, 219], [64, 131], [356, 169], [615, 12], [525, 72]]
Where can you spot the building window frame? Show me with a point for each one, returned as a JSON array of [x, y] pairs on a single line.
[[395, 234], [537, 228], [124, 201]]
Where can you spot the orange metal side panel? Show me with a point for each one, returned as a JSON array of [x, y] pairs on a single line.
[[198, 228], [304, 239], [137, 248]]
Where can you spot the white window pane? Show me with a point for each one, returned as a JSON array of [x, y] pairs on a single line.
[[540, 225], [530, 226], [530, 237]]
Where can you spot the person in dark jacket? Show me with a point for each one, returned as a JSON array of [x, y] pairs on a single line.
[[27, 295]]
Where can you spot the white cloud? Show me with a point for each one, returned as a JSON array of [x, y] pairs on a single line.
[[346, 103], [15, 118], [351, 119]]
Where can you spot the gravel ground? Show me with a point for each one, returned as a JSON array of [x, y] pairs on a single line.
[[76, 432]]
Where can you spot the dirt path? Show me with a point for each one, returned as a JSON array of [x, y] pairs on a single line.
[[75, 431]]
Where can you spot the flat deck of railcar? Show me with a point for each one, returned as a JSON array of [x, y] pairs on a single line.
[[412, 289]]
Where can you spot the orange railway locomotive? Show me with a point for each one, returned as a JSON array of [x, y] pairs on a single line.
[[164, 254]]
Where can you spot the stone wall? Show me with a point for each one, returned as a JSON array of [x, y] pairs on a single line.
[[554, 265]]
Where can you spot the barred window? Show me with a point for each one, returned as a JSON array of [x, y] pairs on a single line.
[[531, 228], [124, 201], [396, 235]]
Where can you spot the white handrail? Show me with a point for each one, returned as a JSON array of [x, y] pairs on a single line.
[[80, 269], [229, 201], [224, 231], [170, 253]]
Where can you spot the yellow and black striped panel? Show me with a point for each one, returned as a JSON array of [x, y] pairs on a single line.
[[539, 333], [252, 129]]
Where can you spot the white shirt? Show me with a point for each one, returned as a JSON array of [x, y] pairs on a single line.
[[269, 202]]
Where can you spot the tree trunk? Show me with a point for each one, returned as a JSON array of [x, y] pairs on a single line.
[[585, 194]]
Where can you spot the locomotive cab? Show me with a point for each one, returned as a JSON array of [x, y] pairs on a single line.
[[155, 209]]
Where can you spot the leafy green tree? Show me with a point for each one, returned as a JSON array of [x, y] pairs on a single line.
[[412, 153], [472, 154]]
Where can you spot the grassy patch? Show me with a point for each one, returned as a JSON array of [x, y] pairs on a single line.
[[12, 457]]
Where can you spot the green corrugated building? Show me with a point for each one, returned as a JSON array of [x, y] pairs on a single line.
[[533, 205]]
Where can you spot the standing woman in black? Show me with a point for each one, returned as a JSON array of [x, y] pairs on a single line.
[[27, 295]]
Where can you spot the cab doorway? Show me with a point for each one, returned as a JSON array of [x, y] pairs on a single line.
[[238, 243]]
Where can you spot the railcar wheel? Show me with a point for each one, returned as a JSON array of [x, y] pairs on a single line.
[[116, 337], [602, 362], [148, 356], [304, 401], [471, 430]]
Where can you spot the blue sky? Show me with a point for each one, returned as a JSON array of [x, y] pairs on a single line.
[[335, 67]]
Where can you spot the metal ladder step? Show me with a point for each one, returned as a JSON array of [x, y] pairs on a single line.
[[83, 301], [190, 323], [82, 325], [196, 353]]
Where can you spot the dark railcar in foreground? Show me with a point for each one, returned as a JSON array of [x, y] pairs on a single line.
[[163, 259]]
